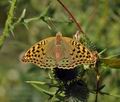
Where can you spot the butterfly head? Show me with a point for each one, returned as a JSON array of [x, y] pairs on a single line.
[[58, 34], [58, 38]]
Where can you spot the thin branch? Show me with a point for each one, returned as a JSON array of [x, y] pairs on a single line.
[[71, 15], [8, 23], [97, 83]]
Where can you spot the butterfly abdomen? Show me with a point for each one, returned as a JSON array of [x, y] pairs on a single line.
[[58, 53], [58, 49]]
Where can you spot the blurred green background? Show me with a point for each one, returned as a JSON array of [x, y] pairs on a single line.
[[100, 19]]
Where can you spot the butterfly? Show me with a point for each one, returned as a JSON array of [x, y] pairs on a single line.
[[60, 52]]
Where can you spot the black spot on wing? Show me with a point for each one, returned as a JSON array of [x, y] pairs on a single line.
[[73, 50], [78, 51]]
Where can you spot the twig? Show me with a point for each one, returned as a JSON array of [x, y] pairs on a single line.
[[8, 23], [71, 15]]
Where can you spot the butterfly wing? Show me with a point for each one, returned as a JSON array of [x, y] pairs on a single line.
[[74, 54], [42, 53]]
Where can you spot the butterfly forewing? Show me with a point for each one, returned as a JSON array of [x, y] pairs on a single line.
[[41, 54]]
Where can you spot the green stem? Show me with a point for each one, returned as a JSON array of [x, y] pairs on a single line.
[[43, 90], [8, 23]]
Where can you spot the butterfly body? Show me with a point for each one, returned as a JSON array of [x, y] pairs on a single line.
[[60, 52]]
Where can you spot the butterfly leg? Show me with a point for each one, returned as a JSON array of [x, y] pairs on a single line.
[[77, 36]]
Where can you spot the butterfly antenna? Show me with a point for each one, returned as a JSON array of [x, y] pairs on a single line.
[[71, 15], [52, 25]]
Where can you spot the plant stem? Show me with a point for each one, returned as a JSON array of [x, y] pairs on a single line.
[[8, 23], [71, 15]]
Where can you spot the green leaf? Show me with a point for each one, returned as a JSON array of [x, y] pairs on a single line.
[[111, 62], [43, 90], [36, 82]]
